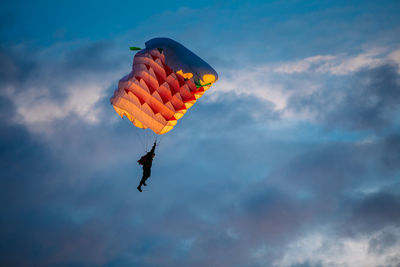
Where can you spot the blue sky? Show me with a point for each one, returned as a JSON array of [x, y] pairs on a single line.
[[290, 159]]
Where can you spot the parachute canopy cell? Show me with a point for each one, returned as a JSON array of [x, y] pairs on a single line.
[[165, 81]]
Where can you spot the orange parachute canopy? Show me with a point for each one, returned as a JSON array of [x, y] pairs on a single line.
[[165, 81]]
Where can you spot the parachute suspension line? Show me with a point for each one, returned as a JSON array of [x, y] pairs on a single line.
[[145, 142], [151, 138], [140, 139], [158, 141], [147, 138], [152, 135]]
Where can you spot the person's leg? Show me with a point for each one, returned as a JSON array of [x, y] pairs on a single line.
[[146, 175], [142, 182]]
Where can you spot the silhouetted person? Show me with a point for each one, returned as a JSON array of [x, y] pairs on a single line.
[[146, 161]]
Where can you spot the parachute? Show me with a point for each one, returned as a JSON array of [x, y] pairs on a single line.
[[165, 81]]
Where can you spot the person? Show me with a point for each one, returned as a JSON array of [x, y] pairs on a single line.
[[146, 161]]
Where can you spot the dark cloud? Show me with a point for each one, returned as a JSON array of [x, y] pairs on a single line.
[[381, 243], [92, 58], [370, 101], [274, 212], [64, 208], [391, 152], [23, 171], [326, 170], [372, 212], [26, 68], [75, 203], [14, 67], [231, 113], [67, 209], [306, 264]]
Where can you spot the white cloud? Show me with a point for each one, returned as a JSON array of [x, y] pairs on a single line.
[[67, 80], [302, 65], [261, 82], [340, 64], [350, 64], [276, 82], [395, 57], [254, 82], [36, 108], [318, 248]]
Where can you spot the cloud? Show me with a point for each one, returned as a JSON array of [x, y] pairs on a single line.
[[72, 188], [325, 170], [383, 241], [395, 57], [340, 64], [364, 232], [351, 64], [368, 102], [46, 89], [322, 87], [251, 82], [373, 212], [318, 249], [302, 65], [77, 198], [391, 151], [35, 106]]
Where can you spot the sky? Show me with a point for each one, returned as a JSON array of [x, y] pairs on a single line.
[[291, 159]]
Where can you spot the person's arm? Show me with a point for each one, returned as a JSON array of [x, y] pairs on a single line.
[[153, 148]]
